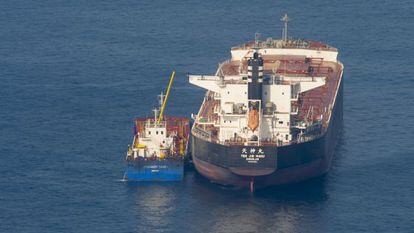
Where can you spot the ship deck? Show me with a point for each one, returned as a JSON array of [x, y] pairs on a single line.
[[315, 104], [174, 125]]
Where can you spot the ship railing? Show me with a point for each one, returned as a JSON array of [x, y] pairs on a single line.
[[309, 133], [206, 121], [280, 79], [153, 123], [235, 81], [206, 77], [306, 138], [154, 158], [271, 43], [202, 133]]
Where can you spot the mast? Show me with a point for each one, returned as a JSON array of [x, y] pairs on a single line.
[[285, 19], [155, 110], [161, 99], [254, 93], [256, 39]]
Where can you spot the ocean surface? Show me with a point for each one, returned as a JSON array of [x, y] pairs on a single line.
[[74, 74]]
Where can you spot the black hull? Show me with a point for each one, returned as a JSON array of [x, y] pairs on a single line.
[[277, 165]]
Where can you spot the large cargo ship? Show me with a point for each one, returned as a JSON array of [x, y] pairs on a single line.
[[159, 146], [272, 114]]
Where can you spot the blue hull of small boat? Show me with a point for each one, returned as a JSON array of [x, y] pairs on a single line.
[[163, 170]]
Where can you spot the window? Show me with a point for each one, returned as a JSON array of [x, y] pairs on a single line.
[[287, 137], [281, 122], [162, 132], [149, 132], [228, 92], [156, 132]]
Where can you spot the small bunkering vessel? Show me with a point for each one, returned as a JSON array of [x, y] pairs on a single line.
[[159, 146], [272, 114]]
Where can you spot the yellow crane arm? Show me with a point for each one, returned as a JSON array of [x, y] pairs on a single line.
[[166, 97]]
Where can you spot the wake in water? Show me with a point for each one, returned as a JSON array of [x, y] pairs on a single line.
[[124, 179]]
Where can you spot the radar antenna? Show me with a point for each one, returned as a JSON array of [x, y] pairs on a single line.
[[285, 19]]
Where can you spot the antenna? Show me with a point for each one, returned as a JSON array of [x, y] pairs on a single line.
[[285, 19], [155, 110], [256, 39], [161, 99]]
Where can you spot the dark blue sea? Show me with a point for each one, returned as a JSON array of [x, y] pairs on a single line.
[[75, 73]]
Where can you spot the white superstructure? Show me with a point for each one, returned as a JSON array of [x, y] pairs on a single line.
[[279, 92], [153, 141]]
